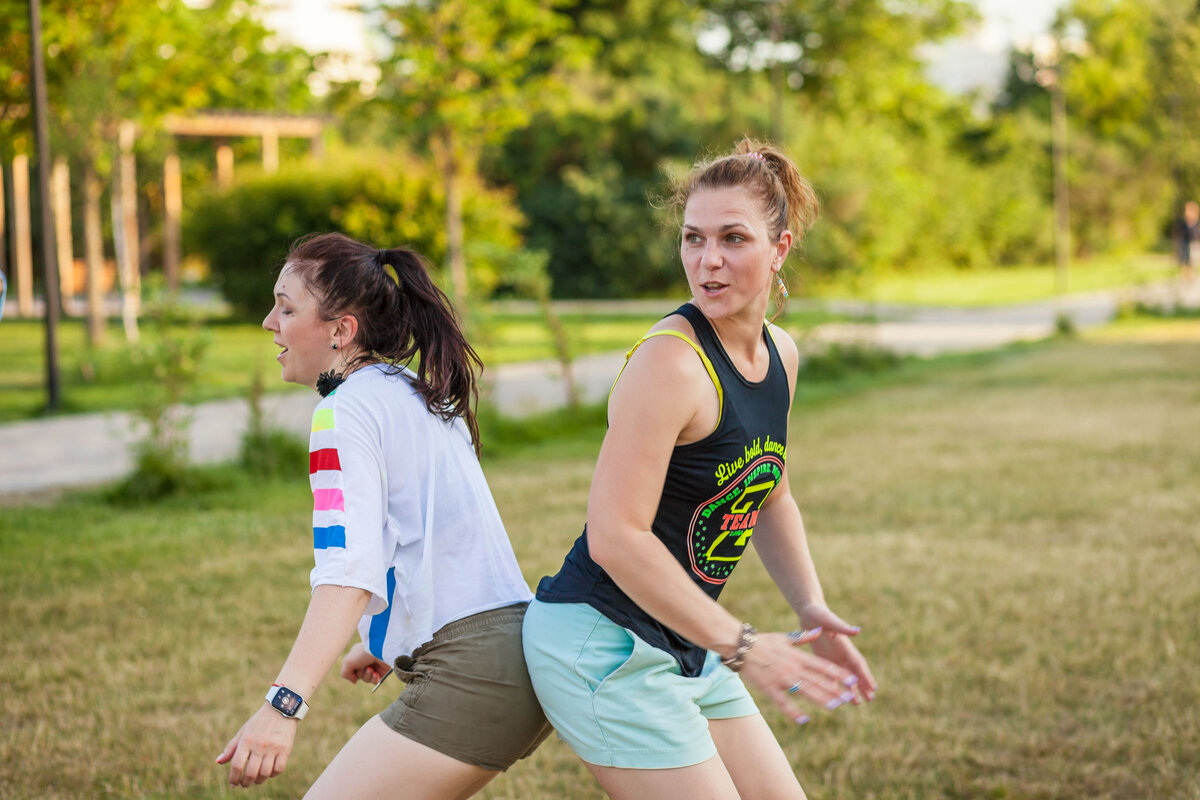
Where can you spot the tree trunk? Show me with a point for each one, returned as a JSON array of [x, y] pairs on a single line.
[[1062, 203], [93, 249], [446, 157]]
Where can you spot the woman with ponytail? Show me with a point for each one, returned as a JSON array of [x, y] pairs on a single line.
[[409, 546], [635, 663]]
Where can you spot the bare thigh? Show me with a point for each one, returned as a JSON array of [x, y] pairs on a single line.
[[755, 761], [379, 763], [708, 779]]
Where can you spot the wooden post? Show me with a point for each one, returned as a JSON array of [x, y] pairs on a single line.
[[61, 180], [125, 223], [22, 236], [3, 219], [224, 166], [173, 207], [270, 150], [93, 248]]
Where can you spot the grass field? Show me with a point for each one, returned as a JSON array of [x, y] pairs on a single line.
[[1016, 533], [1016, 284], [103, 379]]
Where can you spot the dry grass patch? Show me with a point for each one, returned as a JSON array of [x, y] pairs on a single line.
[[1018, 538]]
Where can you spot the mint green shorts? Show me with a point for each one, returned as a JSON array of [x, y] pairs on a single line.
[[618, 701]]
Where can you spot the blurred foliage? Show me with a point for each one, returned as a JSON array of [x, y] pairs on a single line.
[[169, 353], [388, 199], [1128, 71], [462, 74], [563, 121], [140, 60]]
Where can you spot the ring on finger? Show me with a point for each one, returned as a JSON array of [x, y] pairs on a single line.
[[795, 687]]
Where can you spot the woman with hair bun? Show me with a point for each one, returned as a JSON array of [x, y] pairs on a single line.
[[635, 663], [409, 546]]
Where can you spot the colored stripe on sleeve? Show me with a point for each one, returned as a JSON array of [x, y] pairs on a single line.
[[328, 500], [333, 536], [325, 459], [322, 420], [379, 622]]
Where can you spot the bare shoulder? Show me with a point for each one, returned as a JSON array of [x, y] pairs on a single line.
[[668, 359], [665, 388]]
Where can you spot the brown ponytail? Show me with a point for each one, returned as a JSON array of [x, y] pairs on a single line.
[[404, 319]]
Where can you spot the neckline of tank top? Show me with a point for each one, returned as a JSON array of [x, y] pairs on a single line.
[[729, 359]]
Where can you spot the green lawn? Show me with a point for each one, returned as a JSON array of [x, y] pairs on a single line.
[[1016, 533], [103, 379], [1017, 284]]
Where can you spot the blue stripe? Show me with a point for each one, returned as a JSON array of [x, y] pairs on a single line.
[[379, 622], [333, 536]]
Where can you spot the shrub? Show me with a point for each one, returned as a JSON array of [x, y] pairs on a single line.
[[266, 451], [388, 200], [168, 355], [840, 360]]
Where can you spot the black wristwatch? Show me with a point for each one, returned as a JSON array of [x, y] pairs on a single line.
[[287, 702]]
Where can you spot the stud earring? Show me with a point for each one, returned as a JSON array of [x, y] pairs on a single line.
[[335, 345]]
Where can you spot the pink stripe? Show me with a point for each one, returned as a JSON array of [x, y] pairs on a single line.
[[328, 500]]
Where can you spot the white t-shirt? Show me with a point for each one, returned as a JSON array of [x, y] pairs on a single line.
[[401, 508]]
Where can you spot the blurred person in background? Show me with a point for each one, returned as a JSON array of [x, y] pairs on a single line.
[[409, 546], [1187, 240], [636, 664]]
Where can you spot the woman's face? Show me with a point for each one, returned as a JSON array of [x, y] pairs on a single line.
[[728, 252], [306, 339]]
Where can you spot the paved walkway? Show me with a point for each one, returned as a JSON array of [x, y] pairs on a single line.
[[43, 455]]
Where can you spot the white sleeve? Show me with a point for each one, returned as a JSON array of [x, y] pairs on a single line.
[[350, 495]]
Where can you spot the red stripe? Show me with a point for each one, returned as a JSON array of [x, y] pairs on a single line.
[[323, 459]]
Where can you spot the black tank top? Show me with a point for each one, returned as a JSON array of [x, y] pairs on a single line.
[[713, 490]]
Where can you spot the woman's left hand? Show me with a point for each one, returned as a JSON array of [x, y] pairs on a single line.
[[835, 645], [260, 749]]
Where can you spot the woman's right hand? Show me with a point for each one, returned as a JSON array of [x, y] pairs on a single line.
[[361, 665], [777, 666]]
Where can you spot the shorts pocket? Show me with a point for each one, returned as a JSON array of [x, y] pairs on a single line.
[[607, 651]]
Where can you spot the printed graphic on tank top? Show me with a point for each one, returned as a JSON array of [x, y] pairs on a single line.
[[712, 494]]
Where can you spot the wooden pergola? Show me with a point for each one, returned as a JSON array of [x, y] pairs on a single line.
[[221, 126]]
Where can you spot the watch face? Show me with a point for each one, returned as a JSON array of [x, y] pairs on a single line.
[[286, 701]]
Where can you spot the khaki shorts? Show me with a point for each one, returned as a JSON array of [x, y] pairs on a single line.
[[468, 693]]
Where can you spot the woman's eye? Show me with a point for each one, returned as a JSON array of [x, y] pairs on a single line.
[[736, 237]]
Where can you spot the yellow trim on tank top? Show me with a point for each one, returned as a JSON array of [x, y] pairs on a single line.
[[712, 373]]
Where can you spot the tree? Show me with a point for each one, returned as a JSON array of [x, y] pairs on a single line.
[[1128, 73], [850, 56], [462, 74], [120, 62]]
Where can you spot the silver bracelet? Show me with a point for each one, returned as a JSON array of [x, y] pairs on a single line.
[[746, 640]]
